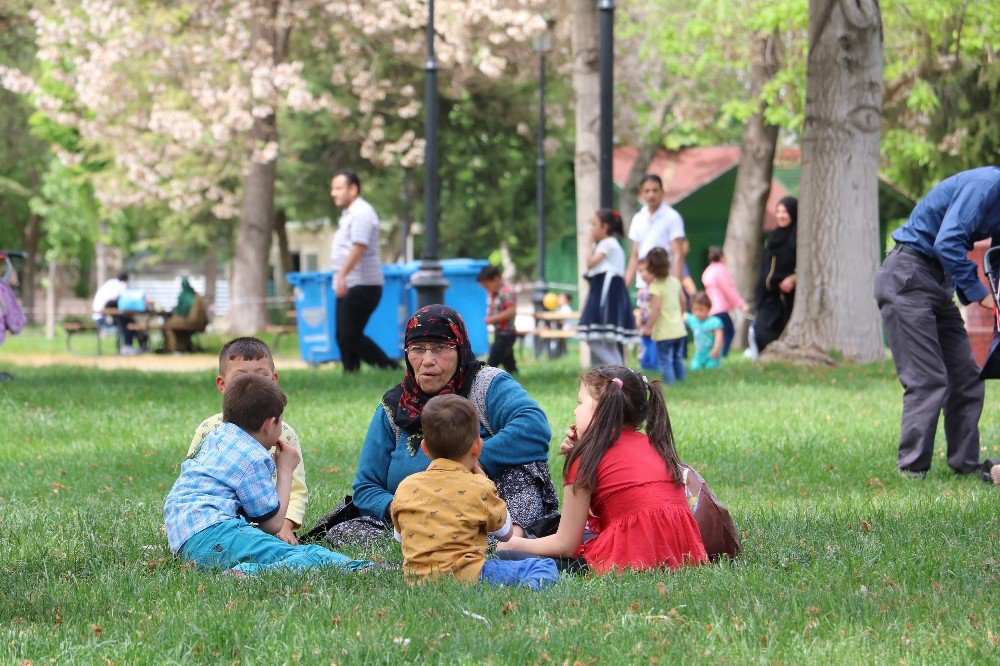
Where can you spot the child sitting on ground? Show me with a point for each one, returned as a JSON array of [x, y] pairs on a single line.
[[229, 483], [630, 480], [501, 308], [442, 515], [707, 331], [251, 356]]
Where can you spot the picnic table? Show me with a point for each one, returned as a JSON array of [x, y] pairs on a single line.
[[146, 322], [551, 327]]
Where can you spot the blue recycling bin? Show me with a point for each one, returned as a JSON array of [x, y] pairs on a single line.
[[316, 314], [465, 295]]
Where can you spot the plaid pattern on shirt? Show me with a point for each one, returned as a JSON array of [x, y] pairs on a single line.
[[231, 475], [504, 298], [358, 224]]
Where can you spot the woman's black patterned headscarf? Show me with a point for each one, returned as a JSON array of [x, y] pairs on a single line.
[[440, 324]]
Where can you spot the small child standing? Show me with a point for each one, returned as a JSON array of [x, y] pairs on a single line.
[[627, 483], [666, 305], [501, 308], [231, 481], [606, 322], [442, 515], [252, 356], [707, 331]]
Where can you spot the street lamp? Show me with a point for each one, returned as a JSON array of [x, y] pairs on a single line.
[[607, 71], [429, 280], [542, 45]]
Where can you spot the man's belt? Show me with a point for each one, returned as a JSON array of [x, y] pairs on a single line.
[[913, 252]]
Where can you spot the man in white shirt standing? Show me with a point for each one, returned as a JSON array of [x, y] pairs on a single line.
[[655, 225], [358, 277]]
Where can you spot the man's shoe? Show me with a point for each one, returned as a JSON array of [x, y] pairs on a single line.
[[913, 473]]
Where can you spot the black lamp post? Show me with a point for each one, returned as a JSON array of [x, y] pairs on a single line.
[[429, 280], [607, 70], [542, 45], [405, 232]]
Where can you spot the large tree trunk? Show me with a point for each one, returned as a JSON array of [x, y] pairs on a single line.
[[30, 237], [753, 180], [586, 89], [248, 292], [51, 288], [281, 286], [837, 252]]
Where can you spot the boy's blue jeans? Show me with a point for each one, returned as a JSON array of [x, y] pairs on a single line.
[[236, 544], [534, 572], [670, 354], [647, 353]]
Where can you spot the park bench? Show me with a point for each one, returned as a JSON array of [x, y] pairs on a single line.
[[280, 330], [73, 328]]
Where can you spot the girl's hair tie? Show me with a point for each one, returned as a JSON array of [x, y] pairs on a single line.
[[615, 380]]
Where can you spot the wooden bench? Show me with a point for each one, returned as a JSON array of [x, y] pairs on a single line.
[[73, 328], [281, 330]]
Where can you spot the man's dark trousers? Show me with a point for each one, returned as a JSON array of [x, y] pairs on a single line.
[[934, 361], [353, 312]]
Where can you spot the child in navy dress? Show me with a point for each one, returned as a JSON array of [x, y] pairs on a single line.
[[607, 321]]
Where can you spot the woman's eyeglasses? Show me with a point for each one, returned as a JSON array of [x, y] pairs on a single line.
[[418, 351]]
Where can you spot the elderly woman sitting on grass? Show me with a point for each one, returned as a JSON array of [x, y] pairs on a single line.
[[514, 429]]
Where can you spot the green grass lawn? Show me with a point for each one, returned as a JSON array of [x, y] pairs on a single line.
[[844, 561]]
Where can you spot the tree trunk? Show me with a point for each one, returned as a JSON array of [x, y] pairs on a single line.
[[753, 180], [837, 252], [30, 237], [101, 254], [586, 89], [51, 285], [281, 286], [211, 278], [248, 292]]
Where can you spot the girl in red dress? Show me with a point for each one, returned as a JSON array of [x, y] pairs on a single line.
[[626, 482]]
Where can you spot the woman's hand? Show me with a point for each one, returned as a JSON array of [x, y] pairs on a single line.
[[788, 284]]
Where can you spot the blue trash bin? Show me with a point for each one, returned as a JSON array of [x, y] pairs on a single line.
[[465, 295], [315, 311], [316, 314]]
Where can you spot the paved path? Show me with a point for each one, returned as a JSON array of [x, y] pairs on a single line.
[[144, 362]]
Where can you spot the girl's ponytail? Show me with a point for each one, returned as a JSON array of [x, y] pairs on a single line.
[[658, 430]]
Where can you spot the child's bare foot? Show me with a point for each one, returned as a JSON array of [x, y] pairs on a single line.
[[236, 573]]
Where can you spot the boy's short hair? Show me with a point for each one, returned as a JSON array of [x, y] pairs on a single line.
[[244, 349], [450, 426], [250, 400], [658, 262], [702, 299], [488, 273], [714, 253]]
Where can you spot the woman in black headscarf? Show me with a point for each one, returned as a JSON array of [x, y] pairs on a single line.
[[776, 290], [514, 429]]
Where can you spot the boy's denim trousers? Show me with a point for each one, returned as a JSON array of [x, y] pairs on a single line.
[[670, 354], [236, 544], [534, 572]]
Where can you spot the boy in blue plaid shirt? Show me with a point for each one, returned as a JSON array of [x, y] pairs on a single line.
[[230, 482]]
